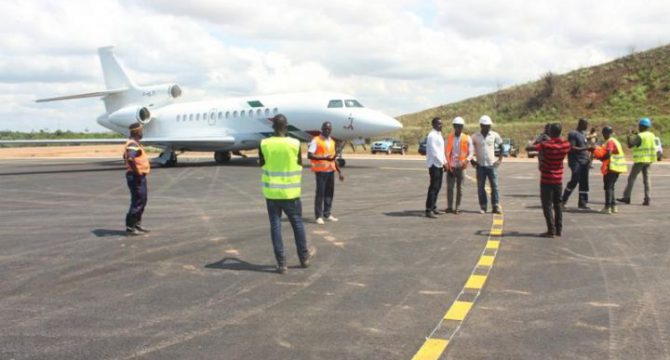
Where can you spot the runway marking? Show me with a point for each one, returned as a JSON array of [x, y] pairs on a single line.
[[437, 341]]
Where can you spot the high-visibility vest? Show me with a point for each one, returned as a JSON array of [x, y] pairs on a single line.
[[646, 152], [141, 160], [322, 149], [616, 162], [282, 176], [464, 143]]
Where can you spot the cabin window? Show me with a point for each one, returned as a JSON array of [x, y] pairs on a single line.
[[335, 104], [220, 115], [177, 118], [197, 117], [275, 111], [259, 113], [227, 114], [251, 113], [212, 116], [235, 113], [267, 112], [190, 117]]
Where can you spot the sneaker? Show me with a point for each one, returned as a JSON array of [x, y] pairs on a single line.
[[436, 212], [615, 210], [306, 262], [142, 229], [623, 200], [482, 211], [332, 218], [429, 214], [281, 268], [320, 221], [131, 231], [646, 202], [606, 210], [457, 211], [563, 207], [547, 234]]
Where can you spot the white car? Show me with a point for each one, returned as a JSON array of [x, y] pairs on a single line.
[[659, 148]]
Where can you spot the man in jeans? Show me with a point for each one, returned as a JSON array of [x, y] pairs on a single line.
[[579, 161], [435, 160], [485, 143], [553, 152], [280, 158]]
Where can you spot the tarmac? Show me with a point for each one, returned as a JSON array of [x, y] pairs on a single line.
[[386, 283]]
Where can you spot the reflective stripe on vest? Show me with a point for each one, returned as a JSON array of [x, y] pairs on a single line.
[[282, 176], [450, 146], [617, 161], [322, 149], [646, 152], [141, 161]]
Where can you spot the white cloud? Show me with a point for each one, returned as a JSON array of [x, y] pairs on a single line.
[[397, 56]]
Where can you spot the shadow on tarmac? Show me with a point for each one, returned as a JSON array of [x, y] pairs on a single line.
[[236, 264], [108, 232]]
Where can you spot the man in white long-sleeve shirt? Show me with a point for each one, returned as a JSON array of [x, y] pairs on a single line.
[[435, 160]]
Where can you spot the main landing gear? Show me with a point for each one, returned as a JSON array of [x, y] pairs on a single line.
[[222, 157], [168, 158]]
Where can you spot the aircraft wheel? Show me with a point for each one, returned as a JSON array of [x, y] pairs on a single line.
[[222, 156]]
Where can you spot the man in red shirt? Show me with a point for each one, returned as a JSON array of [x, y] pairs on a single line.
[[552, 152]]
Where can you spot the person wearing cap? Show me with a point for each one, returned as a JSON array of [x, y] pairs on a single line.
[[137, 169], [644, 154], [280, 158], [579, 161], [485, 144], [322, 154], [613, 164], [435, 161], [458, 152]]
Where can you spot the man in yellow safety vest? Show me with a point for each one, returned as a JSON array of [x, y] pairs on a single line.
[[281, 161], [614, 163], [644, 154]]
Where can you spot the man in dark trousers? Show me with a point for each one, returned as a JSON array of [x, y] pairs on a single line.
[[552, 152], [137, 169], [323, 156], [644, 154], [579, 161], [280, 158], [436, 161]]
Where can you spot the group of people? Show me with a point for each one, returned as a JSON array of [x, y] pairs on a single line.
[[454, 157], [281, 161]]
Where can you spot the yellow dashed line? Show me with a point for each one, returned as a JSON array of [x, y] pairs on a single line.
[[476, 282], [486, 260], [497, 222], [496, 231], [493, 244], [458, 310], [431, 349]]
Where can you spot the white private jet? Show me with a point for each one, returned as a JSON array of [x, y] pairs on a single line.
[[223, 126]]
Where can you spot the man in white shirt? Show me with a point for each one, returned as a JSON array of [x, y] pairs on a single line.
[[485, 143], [435, 160]]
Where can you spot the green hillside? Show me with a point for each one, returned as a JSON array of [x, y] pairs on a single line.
[[615, 93]]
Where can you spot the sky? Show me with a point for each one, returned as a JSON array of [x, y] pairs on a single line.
[[396, 56]]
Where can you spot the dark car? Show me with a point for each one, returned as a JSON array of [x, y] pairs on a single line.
[[422, 147]]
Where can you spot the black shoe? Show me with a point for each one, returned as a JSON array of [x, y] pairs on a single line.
[[436, 212], [306, 262], [623, 200], [142, 229], [547, 234], [429, 214], [448, 211], [558, 233], [131, 231], [646, 202], [496, 210]]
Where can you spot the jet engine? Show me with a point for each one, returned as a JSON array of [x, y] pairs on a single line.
[[126, 116]]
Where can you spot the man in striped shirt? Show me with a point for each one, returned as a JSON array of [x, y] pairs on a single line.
[[552, 152]]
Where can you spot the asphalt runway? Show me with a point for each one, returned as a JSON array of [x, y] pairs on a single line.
[[202, 284]]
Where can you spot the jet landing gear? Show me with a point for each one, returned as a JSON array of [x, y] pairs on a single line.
[[168, 158], [222, 157]]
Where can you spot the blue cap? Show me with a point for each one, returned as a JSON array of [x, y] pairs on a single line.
[[645, 122]]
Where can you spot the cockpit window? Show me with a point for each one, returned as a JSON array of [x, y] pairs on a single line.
[[335, 104], [352, 103]]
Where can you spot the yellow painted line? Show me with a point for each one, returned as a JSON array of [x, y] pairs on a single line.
[[493, 244], [431, 349], [458, 310], [486, 260], [496, 232], [497, 221], [475, 282]]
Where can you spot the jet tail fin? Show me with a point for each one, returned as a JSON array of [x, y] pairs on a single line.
[[114, 73]]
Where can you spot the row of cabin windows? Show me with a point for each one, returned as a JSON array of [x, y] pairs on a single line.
[[228, 114]]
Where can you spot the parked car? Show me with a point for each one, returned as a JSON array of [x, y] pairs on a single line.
[[388, 146], [508, 148], [659, 148], [531, 152], [422, 147]]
